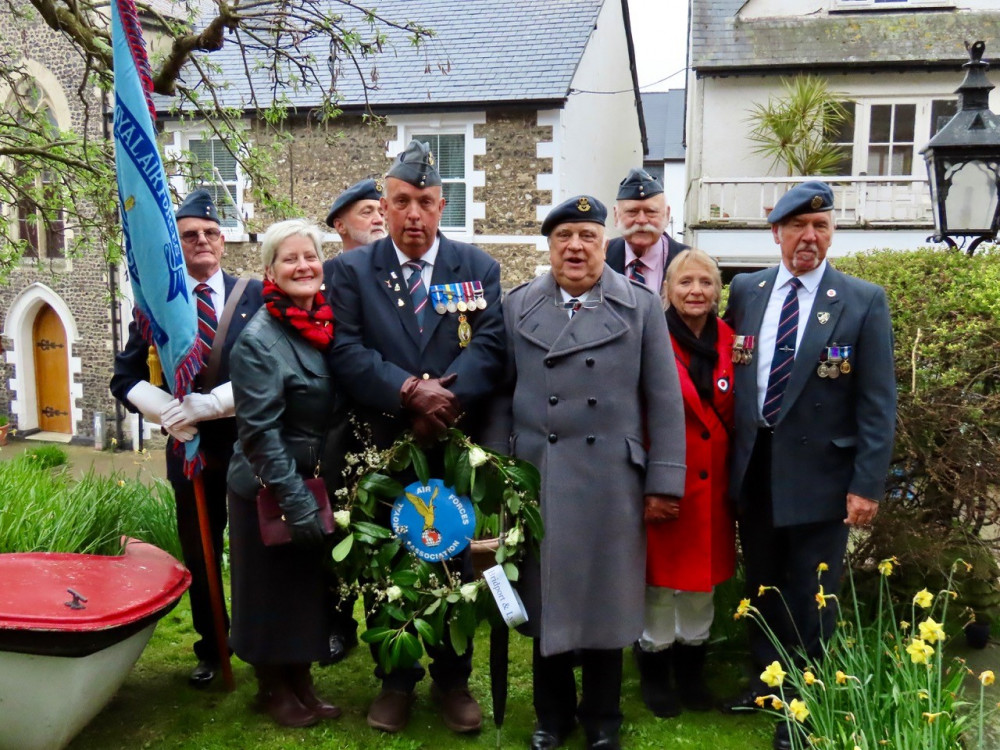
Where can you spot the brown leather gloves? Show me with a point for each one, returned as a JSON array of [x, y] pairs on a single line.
[[433, 408]]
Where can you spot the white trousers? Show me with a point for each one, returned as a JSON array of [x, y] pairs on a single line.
[[673, 615]]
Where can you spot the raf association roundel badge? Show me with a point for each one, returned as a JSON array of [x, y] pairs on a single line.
[[432, 521]]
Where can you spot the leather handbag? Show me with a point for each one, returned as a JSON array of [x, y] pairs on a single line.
[[273, 529]]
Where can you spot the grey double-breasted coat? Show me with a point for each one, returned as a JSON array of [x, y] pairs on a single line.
[[585, 398]]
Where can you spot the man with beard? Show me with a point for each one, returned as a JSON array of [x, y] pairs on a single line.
[[644, 250], [357, 216]]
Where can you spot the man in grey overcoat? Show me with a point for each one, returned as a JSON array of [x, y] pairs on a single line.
[[593, 401]]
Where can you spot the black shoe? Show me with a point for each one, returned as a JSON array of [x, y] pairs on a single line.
[[741, 703], [204, 673], [546, 739], [604, 740], [656, 681], [689, 674], [340, 646], [781, 739]]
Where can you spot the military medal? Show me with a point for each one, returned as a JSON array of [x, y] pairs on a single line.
[[464, 331], [845, 365], [480, 296], [746, 352], [451, 306], [437, 299], [738, 349]]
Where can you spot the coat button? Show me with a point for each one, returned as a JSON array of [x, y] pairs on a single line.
[[553, 437], [589, 361], [706, 435], [592, 401], [553, 400], [702, 475], [591, 439], [550, 363], [805, 441]]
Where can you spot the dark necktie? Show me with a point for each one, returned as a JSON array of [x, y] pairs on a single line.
[[784, 353], [636, 267], [418, 292], [207, 322]]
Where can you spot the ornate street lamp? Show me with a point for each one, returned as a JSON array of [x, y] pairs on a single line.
[[963, 163]]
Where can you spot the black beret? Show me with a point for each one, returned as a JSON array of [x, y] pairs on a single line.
[[805, 198], [198, 205], [366, 190], [580, 208], [415, 165], [638, 185]]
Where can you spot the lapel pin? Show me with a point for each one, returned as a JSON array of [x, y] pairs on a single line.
[[396, 288], [831, 292], [400, 303], [393, 274], [388, 283], [762, 284], [243, 315], [823, 317]]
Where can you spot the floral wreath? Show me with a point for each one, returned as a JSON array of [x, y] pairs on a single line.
[[404, 593]]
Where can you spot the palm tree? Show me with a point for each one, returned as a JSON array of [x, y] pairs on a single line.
[[795, 129]]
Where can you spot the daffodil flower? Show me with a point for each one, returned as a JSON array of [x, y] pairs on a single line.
[[987, 677], [930, 717], [923, 598], [931, 631], [822, 567], [773, 675], [798, 710], [742, 609], [841, 678], [885, 567], [919, 651], [808, 677], [904, 625], [776, 704]]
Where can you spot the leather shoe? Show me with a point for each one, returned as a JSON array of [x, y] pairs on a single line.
[[203, 674], [742, 702], [604, 740], [781, 739], [390, 711], [338, 650], [459, 710], [542, 740]]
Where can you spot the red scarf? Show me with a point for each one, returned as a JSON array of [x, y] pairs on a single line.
[[315, 326]]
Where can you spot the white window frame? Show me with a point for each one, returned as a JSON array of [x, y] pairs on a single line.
[[179, 137], [921, 129], [848, 5], [449, 124]]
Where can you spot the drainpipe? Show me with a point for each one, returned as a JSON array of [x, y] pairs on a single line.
[[116, 308]]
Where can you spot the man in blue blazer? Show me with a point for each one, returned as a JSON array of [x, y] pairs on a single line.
[[815, 417], [419, 343], [209, 410]]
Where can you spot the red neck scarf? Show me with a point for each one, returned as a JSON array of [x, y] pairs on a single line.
[[315, 326]]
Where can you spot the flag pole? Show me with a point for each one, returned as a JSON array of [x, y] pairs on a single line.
[[214, 578]]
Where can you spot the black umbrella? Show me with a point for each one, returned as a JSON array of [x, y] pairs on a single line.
[[499, 647]]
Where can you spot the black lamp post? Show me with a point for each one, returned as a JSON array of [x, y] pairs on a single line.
[[963, 163]]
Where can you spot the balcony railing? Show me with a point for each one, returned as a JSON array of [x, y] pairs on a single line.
[[858, 201]]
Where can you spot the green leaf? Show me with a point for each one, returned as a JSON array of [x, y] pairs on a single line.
[[395, 612], [463, 474], [451, 452], [459, 640], [343, 547], [376, 635], [368, 533], [420, 466], [404, 577], [410, 647], [399, 461], [513, 501], [433, 607], [478, 488], [510, 570], [526, 476], [426, 631], [381, 485], [533, 520]]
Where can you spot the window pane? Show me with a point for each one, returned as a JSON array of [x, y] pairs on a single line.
[[449, 153], [454, 210], [844, 132], [903, 125], [902, 160], [878, 160], [942, 110], [879, 131]]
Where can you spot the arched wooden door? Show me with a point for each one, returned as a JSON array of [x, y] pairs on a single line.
[[51, 372]]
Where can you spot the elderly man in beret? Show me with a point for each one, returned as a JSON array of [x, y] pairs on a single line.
[[208, 410], [356, 215], [573, 407], [419, 347], [644, 250], [815, 415]]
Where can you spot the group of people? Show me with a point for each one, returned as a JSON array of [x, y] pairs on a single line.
[[656, 425]]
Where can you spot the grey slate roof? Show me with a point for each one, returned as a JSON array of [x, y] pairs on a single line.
[[721, 41], [484, 51], [664, 113]]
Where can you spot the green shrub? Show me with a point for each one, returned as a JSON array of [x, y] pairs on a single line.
[[45, 456]]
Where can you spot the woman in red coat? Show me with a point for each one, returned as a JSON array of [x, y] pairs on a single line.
[[689, 555]]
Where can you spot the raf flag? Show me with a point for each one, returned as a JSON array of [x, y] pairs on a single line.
[[164, 311]]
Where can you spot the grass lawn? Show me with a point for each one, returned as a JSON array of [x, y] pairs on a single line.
[[155, 708]]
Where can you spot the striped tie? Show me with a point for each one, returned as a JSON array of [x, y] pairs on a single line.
[[784, 353], [207, 321], [418, 293], [635, 270]]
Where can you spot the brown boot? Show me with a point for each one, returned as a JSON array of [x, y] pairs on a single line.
[[390, 711], [459, 710], [301, 681], [276, 698]]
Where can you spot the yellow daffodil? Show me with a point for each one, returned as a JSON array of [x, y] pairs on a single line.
[[885, 567], [822, 567], [930, 717], [931, 631], [760, 700], [798, 710], [776, 704], [919, 651], [987, 677], [923, 695], [923, 598], [841, 678], [904, 625], [808, 677], [761, 590], [773, 675], [742, 609]]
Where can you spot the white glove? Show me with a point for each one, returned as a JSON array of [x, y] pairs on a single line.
[[149, 400], [198, 407], [181, 432]]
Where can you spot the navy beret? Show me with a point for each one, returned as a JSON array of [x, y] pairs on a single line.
[[805, 198], [369, 190], [198, 205], [580, 208], [415, 165], [638, 185]]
